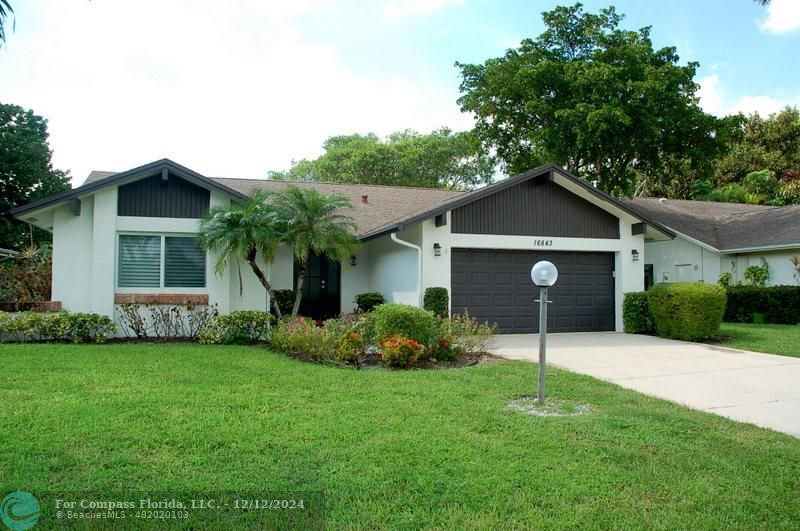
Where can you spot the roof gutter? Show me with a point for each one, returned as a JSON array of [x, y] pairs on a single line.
[[779, 247], [417, 248]]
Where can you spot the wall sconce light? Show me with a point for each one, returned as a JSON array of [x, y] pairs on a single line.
[[437, 249], [353, 260], [635, 255]]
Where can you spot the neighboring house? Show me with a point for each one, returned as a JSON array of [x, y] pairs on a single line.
[[129, 237], [713, 238]]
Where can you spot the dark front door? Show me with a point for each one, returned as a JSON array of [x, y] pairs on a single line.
[[495, 286], [320, 288]]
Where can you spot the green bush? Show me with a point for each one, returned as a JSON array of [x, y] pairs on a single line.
[[775, 304], [56, 326], [467, 333], [636, 317], [337, 341], [366, 302], [686, 310], [437, 301], [285, 300], [244, 327], [412, 322]]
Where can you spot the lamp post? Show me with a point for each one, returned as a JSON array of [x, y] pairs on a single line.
[[544, 274]]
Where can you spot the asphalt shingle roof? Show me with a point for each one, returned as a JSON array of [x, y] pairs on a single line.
[[725, 226], [385, 205]]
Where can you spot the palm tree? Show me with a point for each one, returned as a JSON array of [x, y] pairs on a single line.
[[315, 223], [5, 14], [241, 231]]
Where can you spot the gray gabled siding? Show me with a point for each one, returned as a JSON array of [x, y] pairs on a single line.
[[159, 198], [535, 209]]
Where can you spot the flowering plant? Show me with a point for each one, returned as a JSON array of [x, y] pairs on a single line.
[[399, 351]]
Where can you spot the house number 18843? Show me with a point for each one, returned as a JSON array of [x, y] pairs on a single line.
[[542, 243]]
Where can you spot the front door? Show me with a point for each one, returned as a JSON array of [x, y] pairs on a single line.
[[320, 288]]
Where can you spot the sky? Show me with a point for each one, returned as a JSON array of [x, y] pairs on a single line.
[[237, 88]]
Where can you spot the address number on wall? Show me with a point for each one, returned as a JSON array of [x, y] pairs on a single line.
[[542, 243]]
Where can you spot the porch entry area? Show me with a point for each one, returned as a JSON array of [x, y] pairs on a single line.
[[321, 288]]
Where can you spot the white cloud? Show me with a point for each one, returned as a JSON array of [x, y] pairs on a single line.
[[783, 16], [714, 99], [407, 8], [229, 89]]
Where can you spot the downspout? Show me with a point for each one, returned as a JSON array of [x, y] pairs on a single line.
[[417, 248]]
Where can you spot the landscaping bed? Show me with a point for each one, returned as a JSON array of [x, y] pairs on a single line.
[[383, 449]]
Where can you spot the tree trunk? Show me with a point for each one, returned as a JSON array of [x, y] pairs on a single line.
[[298, 290], [251, 259]]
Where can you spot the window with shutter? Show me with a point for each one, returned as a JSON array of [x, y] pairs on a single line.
[[139, 261], [184, 263]]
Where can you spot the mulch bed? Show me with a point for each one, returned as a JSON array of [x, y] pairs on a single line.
[[373, 361]]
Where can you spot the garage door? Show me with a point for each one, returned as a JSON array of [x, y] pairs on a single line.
[[496, 286]]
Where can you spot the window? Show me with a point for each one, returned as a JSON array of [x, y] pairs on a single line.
[[156, 261]]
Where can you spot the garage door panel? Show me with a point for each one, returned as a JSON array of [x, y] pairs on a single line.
[[495, 286]]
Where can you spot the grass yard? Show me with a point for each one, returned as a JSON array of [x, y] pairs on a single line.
[[771, 338], [386, 449]]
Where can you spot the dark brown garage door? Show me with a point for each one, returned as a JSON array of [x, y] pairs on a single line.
[[496, 286]]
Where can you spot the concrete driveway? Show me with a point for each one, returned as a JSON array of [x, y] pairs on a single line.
[[763, 389]]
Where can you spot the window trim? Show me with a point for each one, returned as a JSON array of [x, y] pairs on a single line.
[[161, 289]]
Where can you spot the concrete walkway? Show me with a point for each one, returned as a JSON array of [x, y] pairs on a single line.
[[763, 389]]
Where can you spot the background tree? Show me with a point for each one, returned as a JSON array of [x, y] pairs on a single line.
[[312, 222], [441, 159], [240, 232], [594, 98], [26, 172]]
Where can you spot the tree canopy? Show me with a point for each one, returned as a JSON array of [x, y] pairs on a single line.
[[26, 171], [441, 159], [597, 99]]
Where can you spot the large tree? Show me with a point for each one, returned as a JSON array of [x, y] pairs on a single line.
[[597, 99], [441, 159], [26, 172], [314, 223]]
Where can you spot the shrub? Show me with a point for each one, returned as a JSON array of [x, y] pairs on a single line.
[[467, 333], [366, 302], [398, 350], [412, 322], [57, 326], [27, 277], [775, 304], [437, 301], [285, 300], [444, 348], [636, 317], [348, 337], [725, 279], [301, 337], [244, 327], [686, 310]]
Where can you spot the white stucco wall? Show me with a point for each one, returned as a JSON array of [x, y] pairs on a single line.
[[355, 279], [104, 251], [394, 268], [72, 257], [680, 260]]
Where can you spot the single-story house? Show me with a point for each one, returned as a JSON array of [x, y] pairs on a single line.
[[129, 237], [714, 238]]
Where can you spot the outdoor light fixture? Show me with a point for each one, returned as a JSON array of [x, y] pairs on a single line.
[[437, 249], [544, 274], [353, 260], [635, 255]]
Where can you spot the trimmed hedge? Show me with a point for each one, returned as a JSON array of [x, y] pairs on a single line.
[[412, 322], [64, 326], [775, 304], [437, 301], [366, 302], [686, 310], [244, 327], [636, 316]]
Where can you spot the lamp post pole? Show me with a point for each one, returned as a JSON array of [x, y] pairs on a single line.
[[544, 274], [542, 343]]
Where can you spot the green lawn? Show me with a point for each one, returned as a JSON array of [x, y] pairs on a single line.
[[386, 449], [771, 338]]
